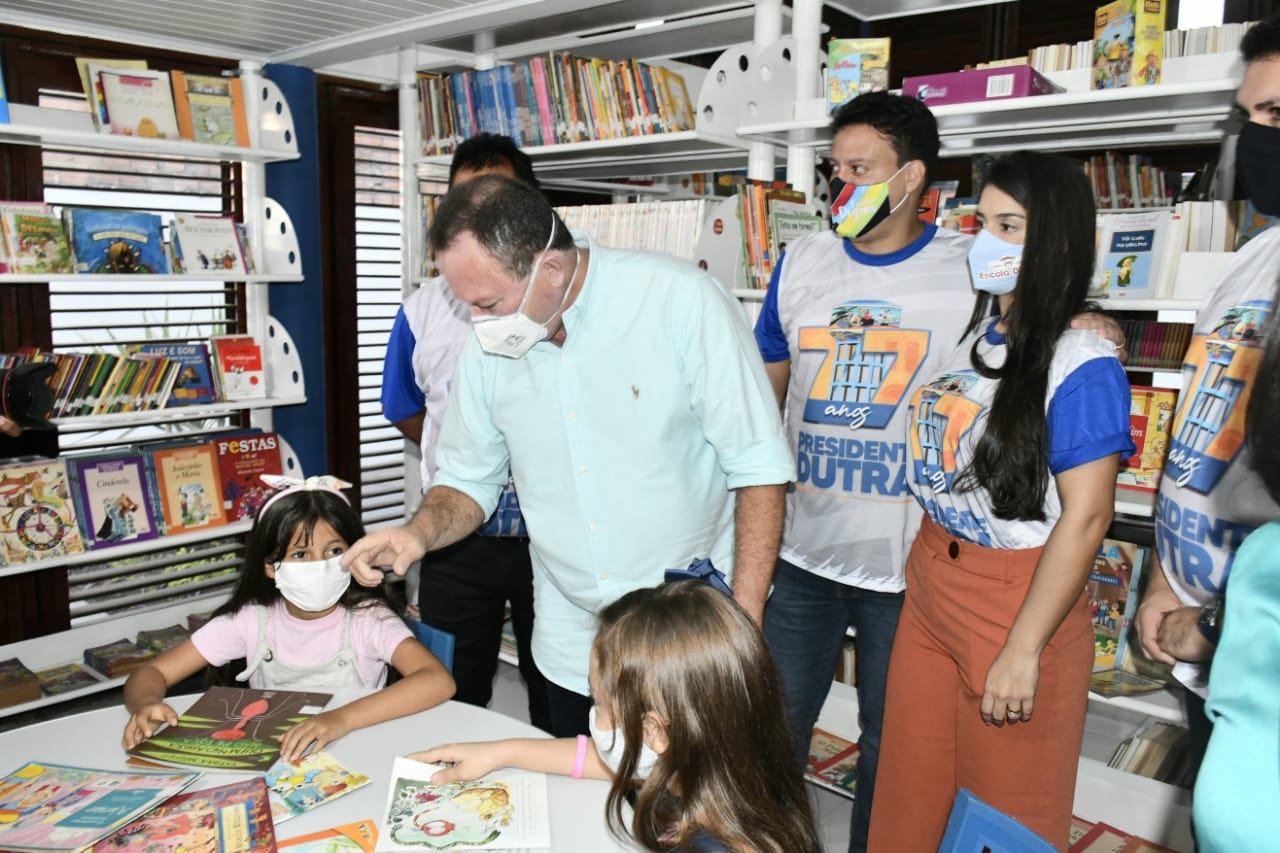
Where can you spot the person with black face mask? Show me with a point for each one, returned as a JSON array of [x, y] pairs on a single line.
[[1211, 497]]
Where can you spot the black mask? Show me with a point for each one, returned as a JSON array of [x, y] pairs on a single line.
[[24, 396], [1258, 163]]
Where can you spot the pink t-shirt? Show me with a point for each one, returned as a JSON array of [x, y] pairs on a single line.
[[375, 633]]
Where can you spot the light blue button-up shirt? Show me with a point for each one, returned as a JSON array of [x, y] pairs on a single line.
[[624, 442]]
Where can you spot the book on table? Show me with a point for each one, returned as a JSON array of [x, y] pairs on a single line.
[[232, 818], [55, 808], [309, 783], [358, 837], [231, 728]]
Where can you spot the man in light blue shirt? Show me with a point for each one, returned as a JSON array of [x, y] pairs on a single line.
[[636, 418]]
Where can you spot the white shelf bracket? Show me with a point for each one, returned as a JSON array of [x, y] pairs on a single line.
[[283, 365], [275, 121], [721, 96], [278, 252]]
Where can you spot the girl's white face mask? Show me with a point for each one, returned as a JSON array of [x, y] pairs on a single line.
[[611, 744], [312, 585]]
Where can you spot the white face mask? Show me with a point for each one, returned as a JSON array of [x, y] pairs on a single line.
[[610, 746], [312, 585], [513, 335]]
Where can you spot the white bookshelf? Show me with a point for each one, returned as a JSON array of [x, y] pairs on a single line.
[[100, 278], [175, 414]]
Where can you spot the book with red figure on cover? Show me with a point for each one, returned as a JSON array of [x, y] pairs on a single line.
[[237, 361], [242, 460], [833, 763], [231, 728], [234, 818]]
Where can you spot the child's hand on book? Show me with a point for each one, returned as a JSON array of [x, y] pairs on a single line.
[[143, 724], [317, 733], [464, 761]]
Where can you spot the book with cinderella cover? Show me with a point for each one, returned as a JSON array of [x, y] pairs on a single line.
[[506, 810], [53, 807], [231, 728], [234, 818]]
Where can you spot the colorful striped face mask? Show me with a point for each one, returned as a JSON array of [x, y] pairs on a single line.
[[856, 209]]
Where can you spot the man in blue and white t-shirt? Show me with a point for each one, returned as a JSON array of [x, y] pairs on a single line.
[[464, 588]]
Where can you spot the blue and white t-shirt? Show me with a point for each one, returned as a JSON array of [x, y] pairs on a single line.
[[1087, 409], [1210, 498]]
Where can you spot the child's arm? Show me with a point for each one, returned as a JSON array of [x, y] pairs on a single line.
[[144, 691], [473, 760], [426, 683]]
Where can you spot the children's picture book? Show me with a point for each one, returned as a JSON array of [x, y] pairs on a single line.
[[1120, 682], [35, 242], [15, 207], [194, 384], [210, 109], [302, 786], [1113, 598], [187, 486], [92, 85], [1150, 418], [506, 810], [1079, 829], [855, 67], [234, 818], [117, 658], [160, 640], [53, 807], [37, 513], [358, 837], [231, 728], [113, 500], [1128, 44], [124, 242], [207, 244], [138, 102], [1129, 254], [242, 460], [57, 680], [237, 359], [833, 763]]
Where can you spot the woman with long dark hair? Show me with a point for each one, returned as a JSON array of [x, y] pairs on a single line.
[[1015, 446]]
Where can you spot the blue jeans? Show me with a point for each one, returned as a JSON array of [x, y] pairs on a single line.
[[804, 624]]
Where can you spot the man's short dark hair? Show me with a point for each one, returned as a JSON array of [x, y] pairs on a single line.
[[490, 150], [1262, 41], [905, 122], [510, 219]]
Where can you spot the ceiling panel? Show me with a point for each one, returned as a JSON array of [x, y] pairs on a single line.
[[872, 10]]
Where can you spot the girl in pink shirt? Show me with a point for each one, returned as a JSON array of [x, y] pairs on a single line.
[[300, 624]]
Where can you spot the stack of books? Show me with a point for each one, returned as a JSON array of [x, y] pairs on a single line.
[[17, 683]]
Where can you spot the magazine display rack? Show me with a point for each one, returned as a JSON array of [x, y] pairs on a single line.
[[277, 258]]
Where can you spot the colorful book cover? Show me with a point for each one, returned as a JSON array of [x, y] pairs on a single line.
[[1113, 585], [1128, 44], [36, 242], [53, 807], [1130, 252], [194, 383], [138, 102], [238, 361], [358, 837], [92, 84], [1120, 682], [506, 809], [833, 763], [1150, 416], [207, 244], [57, 680], [6, 208], [210, 109], [160, 640], [37, 513], [231, 728], [308, 784], [855, 67], [234, 818], [187, 486], [242, 460], [17, 683], [113, 501], [116, 241]]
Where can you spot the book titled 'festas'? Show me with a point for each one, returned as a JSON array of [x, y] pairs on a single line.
[[242, 461]]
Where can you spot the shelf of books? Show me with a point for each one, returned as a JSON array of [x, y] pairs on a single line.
[[105, 278], [93, 658], [177, 413], [1166, 114]]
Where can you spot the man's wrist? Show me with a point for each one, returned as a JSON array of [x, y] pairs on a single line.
[[1210, 620]]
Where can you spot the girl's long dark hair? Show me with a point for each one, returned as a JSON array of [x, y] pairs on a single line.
[[1011, 459], [1264, 405], [272, 534], [688, 654]]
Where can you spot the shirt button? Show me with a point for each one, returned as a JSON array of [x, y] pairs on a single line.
[[604, 577], [582, 470], [573, 413], [953, 550], [564, 359], [592, 525]]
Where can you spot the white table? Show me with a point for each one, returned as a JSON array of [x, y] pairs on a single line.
[[92, 739]]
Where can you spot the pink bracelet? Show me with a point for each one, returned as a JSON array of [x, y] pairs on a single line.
[[580, 758]]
